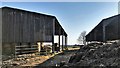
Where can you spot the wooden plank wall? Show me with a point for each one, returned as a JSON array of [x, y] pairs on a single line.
[[24, 26], [112, 29], [119, 27], [106, 30]]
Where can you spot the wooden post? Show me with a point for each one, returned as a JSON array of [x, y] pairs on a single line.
[[104, 34], [66, 42], [59, 37], [62, 40], [53, 48], [39, 47]]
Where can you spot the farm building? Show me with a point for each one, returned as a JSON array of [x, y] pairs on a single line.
[[24, 32], [107, 30]]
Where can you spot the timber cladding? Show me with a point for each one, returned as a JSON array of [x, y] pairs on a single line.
[[21, 30], [25, 26], [108, 29]]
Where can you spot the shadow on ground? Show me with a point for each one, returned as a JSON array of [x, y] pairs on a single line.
[[58, 60]]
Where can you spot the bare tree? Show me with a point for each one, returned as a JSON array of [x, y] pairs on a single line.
[[82, 38]]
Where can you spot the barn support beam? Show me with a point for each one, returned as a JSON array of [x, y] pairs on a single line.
[[65, 42], [53, 46], [39, 46], [103, 34], [59, 38], [59, 41], [62, 40]]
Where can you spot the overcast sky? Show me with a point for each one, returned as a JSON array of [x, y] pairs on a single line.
[[74, 17]]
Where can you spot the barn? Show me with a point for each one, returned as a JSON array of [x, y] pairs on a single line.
[[107, 30], [24, 32]]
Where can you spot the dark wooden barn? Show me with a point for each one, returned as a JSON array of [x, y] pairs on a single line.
[[21, 28], [107, 30]]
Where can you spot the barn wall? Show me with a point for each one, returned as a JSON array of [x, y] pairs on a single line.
[[108, 29], [96, 34], [112, 30], [119, 27], [23, 26]]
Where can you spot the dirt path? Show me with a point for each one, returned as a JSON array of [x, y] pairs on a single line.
[[35, 61], [56, 60]]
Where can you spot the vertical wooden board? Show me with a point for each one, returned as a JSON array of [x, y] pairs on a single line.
[[3, 24], [118, 26], [43, 34], [12, 24], [31, 28], [40, 27], [17, 31], [9, 29], [38, 30], [13, 21], [33, 20], [48, 29], [43, 29], [16, 26], [24, 27], [37, 27], [20, 26], [15, 17], [24, 23], [28, 27], [28, 20]]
